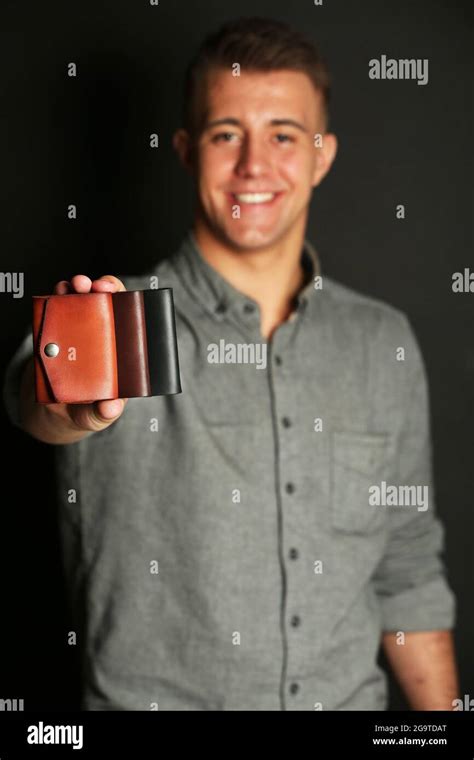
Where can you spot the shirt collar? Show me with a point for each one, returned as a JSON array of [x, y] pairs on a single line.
[[217, 295]]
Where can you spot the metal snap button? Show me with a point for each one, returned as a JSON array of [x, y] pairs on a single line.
[[51, 350]]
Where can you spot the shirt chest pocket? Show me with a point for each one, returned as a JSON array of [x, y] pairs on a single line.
[[358, 461]]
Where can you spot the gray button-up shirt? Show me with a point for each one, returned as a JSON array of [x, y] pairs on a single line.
[[242, 545]]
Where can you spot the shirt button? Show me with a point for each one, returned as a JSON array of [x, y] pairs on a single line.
[[278, 359], [290, 488], [221, 308], [249, 308], [286, 422], [295, 621], [294, 688], [293, 553]]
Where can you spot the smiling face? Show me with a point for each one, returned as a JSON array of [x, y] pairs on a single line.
[[255, 157]]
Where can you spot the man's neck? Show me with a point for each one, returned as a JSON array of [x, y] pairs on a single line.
[[272, 277]]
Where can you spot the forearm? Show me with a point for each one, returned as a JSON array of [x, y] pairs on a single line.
[[425, 667]]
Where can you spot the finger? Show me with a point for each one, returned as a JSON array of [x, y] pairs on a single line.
[[81, 283], [96, 416], [108, 410], [62, 288], [103, 286], [108, 284]]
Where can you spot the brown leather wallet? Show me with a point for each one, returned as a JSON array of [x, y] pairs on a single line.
[[92, 346]]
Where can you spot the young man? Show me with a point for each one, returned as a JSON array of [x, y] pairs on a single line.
[[236, 557]]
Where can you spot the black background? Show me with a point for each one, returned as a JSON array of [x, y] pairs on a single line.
[[85, 140]]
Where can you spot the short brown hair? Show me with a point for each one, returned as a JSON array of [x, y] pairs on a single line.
[[256, 44]]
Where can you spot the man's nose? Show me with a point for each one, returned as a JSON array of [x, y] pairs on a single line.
[[253, 158]]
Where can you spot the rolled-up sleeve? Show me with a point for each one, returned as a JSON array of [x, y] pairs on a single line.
[[410, 580], [12, 378]]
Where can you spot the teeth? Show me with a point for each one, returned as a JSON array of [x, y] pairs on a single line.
[[254, 197]]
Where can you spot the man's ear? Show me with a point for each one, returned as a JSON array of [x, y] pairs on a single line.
[[325, 155], [183, 146]]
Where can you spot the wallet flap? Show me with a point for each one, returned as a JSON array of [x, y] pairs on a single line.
[[76, 347], [43, 391]]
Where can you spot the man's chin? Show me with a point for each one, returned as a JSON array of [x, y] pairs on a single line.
[[251, 239]]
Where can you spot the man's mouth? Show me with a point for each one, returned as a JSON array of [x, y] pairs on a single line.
[[254, 198]]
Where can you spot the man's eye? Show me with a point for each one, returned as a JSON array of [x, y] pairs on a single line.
[[223, 137], [282, 138]]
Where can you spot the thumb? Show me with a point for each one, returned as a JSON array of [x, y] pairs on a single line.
[[96, 416]]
